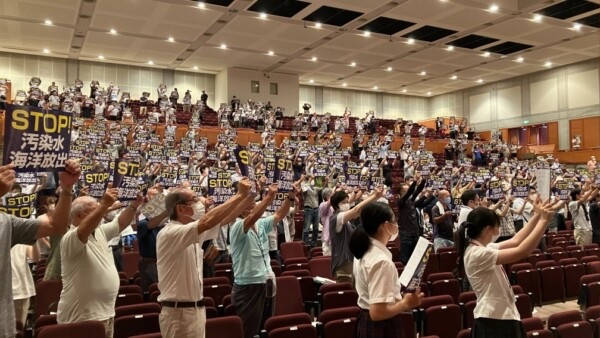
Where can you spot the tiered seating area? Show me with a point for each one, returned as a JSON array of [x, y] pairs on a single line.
[[561, 272]]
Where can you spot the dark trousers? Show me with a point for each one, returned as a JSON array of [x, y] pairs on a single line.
[[408, 243], [208, 270], [116, 251], [252, 306], [492, 328], [503, 238], [148, 272], [311, 216], [368, 328], [518, 225]]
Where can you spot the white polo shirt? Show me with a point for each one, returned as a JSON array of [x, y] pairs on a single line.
[[495, 298], [463, 213], [89, 276], [179, 261], [376, 277], [22, 281], [578, 214]]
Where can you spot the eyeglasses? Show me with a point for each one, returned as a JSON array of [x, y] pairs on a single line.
[[191, 201]]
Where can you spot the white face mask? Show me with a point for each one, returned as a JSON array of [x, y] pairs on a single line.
[[495, 237], [198, 209], [344, 207], [393, 235]]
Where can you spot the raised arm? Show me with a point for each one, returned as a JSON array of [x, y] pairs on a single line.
[[260, 209], [355, 212], [127, 215], [285, 207], [234, 205], [91, 221]]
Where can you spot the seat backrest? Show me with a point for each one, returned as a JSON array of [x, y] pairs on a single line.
[[466, 297], [568, 261], [340, 328], [127, 326], [523, 303], [286, 320], [292, 301], [517, 289], [230, 327], [545, 264], [215, 281], [320, 267], [130, 262], [436, 300], [439, 276], [593, 312], [446, 249], [129, 299], [297, 331], [337, 299], [443, 321], [292, 250], [87, 329], [589, 259], [593, 267], [296, 273], [557, 319], [575, 330], [591, 278], [325, 288], [47, 292], [42, 321], [130, 289], [136, 309], [532, 323], [520, 266], [339, 313]]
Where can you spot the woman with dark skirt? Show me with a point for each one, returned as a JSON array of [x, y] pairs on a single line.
[[376, 276], [496, 314]]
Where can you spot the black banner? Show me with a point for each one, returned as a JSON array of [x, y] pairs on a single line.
[[126, 179]]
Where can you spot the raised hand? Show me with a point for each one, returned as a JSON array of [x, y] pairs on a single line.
[[272, 191], [244, 186], [7, 178], [379, 192], [110, 197]]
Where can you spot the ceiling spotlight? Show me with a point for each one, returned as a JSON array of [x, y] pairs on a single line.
[[423, 73], [113, 31], [46, 50], [271, 53], [223, 46], [48, 22], [375, 88], [450, 48], [577, 26], [493, 8], [313, 59], [195, 67], [520, 59], [353, 64], [410, 41], [344, 84], [318, 25], [201, 5], [480, 81], [537, 17], [150, 62], [101, 57], [170, 39], [548, 64], [311, 81], [389, 69], [428, 93], [367, 33], [404, 90], [453, 77], [263, 15]]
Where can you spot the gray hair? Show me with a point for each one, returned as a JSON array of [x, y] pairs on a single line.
[[173, 199], [80, 204], [327, 193]]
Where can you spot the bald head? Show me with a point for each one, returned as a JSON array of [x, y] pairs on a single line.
[[443, 194]]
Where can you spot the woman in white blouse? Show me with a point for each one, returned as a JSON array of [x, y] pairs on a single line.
[[496, 313], [376, 277]]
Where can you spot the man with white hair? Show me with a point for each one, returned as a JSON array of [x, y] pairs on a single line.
[[179, 257], [443, 223], [90, 278]]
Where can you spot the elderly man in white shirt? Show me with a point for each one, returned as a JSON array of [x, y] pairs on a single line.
[[179, 257], [90, 278]]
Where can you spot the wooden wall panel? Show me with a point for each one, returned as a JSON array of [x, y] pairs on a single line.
[[591, 132], [552, 132]]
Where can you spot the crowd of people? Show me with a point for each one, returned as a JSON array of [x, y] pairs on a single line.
[[353, 202]]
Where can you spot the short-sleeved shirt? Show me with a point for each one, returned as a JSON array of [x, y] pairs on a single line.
[[89, 276], [376, 277], [495, 298], [22, 280], [250, 251], [13, 231], [340, 241], [578, 213], [445, 229], [147, 238]]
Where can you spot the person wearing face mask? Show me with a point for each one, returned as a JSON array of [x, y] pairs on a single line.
[[310, 196], [376, 277], [470, 200], [86, 261], [496, 314], [443, 223], [179, 257], [340, 230]]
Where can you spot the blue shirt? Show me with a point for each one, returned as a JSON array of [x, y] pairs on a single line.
[[250, 251], [147, 239]]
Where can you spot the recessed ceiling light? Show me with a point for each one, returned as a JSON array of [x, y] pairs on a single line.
[[494, 8], [480, 81], [454, 77], [263, 15], [113, 31], [223, 46], [195, 67], [101, 57], [367, 33], [48, 22], [520, 59], [311, 81], [423, 73], [577, 26], [353, 64], [201, 5], [344, 84], [318, 25], [170, 39], [410, 41], [46, 50], [428, 93], [389, 69], [548, 64], [150, 62], [314, 59], [271, 52], [404, 90], [375, 88], [537, 17], [450, 48]]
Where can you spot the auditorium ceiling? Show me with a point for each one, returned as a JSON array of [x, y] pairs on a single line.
[[404, 46]]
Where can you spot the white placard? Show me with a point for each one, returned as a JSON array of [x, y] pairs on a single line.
[[155, 207], [543, 183], [413, 271]]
